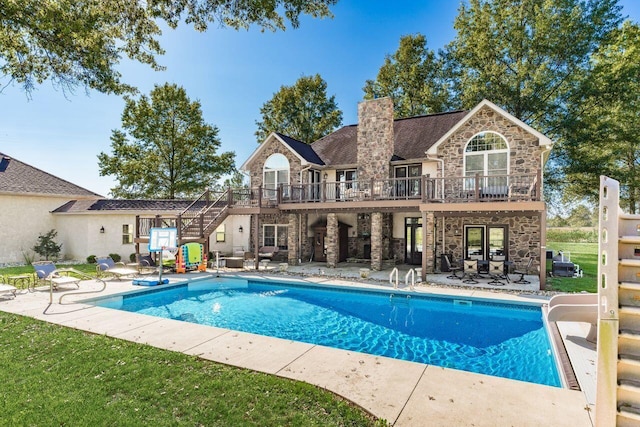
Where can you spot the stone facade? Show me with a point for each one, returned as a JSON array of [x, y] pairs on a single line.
[[376, 241], [375, 138], [270, 147], [524, 151], [332, 240], [523, 233], [293, 239]]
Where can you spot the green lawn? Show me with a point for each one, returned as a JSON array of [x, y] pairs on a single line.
[[583, 254], [52, 375]]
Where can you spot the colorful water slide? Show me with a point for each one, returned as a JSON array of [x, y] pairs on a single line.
[[575, 308]]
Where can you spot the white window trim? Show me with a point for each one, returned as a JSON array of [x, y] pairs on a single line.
[[276, 170], [275, 235], [486, 153]]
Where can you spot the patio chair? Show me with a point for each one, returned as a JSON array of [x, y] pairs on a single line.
[[496, 272], [267, 252], [470, 269], [452, 268], [522, 272], [106, 265], [6, 288], [48, 274], [147, 264]]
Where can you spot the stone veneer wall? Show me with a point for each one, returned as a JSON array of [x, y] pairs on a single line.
[[375, 138], [278, 219], [523, 236], [331, 241], [273, 146], [524, 151]]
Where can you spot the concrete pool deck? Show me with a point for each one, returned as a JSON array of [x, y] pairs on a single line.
[[403, 393]]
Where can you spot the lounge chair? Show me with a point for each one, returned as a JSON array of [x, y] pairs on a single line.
[[48, 274], [147, 264], [106, 265], [6, 288]]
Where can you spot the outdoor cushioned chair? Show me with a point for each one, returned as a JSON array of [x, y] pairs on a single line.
[[5, 288], [48, 274], [496, 272], [267, 252], [471, 272], [522, 272], [106, 265]]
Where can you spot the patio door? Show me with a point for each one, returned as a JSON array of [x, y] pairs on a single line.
[[413, 239], [485, 242]]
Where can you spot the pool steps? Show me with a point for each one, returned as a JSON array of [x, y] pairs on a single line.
[[618, 370]]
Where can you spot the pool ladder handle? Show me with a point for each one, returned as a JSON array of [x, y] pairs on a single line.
[[411, 273], [391, 281]]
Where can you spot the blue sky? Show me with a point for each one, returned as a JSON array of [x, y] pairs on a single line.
[[232, 73]]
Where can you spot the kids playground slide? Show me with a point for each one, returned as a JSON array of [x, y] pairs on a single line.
[[575, 308]]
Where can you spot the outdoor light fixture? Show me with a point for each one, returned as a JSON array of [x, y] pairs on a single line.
[[326, 175], [102, 230], [240, 229]]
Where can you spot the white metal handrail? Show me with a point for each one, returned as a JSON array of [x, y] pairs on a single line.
[[394, 271], [411, 273]]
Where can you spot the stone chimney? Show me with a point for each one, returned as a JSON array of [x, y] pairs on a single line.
[[375, 138]]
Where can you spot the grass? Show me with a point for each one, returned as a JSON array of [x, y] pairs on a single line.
[[583, 254], [52, 375]]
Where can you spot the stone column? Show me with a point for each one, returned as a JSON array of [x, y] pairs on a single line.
[[376, 241], [293, 239], [428, 226], [332, 240]]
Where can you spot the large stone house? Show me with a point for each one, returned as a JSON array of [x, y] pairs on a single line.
[[384, 191], [467, 184]]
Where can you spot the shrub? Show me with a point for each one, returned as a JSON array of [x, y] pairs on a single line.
[[91, 259], [47, 247], [115, 257], [573, 235], [132, 257]]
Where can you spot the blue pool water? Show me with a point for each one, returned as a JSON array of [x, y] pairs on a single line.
[[496, 339]]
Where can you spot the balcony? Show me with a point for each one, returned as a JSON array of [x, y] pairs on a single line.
[[478, 188]]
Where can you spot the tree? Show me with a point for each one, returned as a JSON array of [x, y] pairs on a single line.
[[47, 247], [81, 42], [301, 111], [526, 55], [412, 77], [602, 136], [165, 149]]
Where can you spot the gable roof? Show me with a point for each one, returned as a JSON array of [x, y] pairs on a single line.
[[542, 139], [120, 205], [20, 178], [299, 149]]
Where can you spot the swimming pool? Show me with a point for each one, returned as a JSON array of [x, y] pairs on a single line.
[[504, 340]]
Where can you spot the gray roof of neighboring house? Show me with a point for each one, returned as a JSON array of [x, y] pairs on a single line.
[[304, 150], [412, 137], [120, 205], [21, 178]]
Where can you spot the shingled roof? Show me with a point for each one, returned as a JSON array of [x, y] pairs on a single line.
[[412, 137], [304, 150], [20, 178], [120, 205]]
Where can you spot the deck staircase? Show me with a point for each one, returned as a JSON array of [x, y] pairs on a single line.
[[618, 373], [202, 217]]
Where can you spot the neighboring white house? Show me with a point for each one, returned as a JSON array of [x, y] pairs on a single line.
[[34, 202]]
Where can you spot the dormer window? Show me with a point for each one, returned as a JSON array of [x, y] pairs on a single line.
[[276, 172], [487, 155]]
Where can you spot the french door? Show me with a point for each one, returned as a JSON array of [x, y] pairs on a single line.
[[485, 242], [413, 239]]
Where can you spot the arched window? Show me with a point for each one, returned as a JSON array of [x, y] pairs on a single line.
[[276, 172], [487, 154]]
